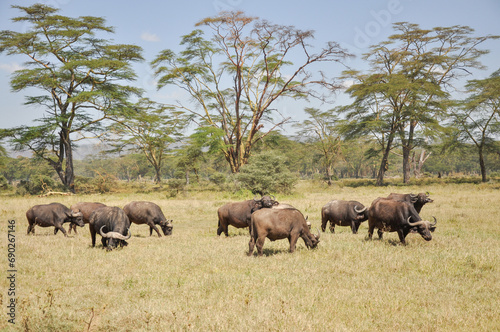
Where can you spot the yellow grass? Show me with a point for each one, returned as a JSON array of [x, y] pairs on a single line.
[[194, 280]]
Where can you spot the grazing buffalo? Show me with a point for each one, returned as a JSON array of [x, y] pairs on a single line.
[[238, 214], [113, 225], [148, 213], [53, 214], [397, 216], [86, 209], [278, 224], [343, 213], [418, 200], [282, 206]]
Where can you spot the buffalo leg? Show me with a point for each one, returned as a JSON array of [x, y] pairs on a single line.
[[354, 229], [222, 228], [324, 221], [31, 229], [371, 228], [380, 234], [92, 235], [293, 241], [251, 245], [402, 236], [332, 227], [155, 228], [260, 245], [61, 229], [104, 242]]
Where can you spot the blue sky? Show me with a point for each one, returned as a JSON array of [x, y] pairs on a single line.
[[157, 25]]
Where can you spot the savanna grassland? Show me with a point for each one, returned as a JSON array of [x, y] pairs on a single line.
[[194, 280]]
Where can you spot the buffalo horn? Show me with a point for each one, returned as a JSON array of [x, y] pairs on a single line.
[[435, 222], [417, 223], [255, 198], [359, 211], [319, 234], [76, 214], [115, 235]]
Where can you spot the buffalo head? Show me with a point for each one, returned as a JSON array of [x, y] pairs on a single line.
[[423, 227], [115, 238], [314, 240], [264, 202], [75, 218], [361, 214], [166, 227]]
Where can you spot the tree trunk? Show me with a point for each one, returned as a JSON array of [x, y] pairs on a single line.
[[157, 178], [482, 165], [329, 175], [407, 148], [421, 161], [384, 164], [67, 176], [406, 164]]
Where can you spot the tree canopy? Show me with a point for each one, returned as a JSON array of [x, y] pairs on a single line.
[[236, 75], [81, 77]]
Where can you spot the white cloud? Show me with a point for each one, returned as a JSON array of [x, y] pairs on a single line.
[[150, 37], [10, 67], [347, 83]]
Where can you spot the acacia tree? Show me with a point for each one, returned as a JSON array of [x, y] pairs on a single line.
[[149, 128], [81, 77], [321, 132], [234, 77], [410, 76], [478, 117]]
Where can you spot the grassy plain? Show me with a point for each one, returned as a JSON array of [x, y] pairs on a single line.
[[194, 280]]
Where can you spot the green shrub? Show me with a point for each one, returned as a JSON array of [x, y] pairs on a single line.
[[37, 184], [174, 186], [267, 173]]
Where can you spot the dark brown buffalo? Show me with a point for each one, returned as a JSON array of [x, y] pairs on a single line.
[[53, 214], [238, 214], [418, 200], [276, 224], [343, 213], [397, 216], [142, 212], [113, 225], [86, 208]]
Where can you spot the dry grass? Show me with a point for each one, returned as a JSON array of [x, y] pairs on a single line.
[[194, 280]]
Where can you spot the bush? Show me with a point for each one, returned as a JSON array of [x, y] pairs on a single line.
[[174, 186], [37, 184], [101, 184], [267, 173], [4, 184]]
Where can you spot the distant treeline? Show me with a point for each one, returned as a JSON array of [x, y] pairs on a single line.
[[102, 171]]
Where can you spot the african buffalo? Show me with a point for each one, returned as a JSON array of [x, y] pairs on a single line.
[[282, 206], [343, 213], [278, 224], [238, 214], [397, 216], [418, 200], [53, 214], [149, 213], [113, 225], [86, 208]]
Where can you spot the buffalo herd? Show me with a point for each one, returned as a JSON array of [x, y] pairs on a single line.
[[112, 223], [265, 217]]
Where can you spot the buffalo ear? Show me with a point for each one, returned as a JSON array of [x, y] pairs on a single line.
[[432, 229]]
